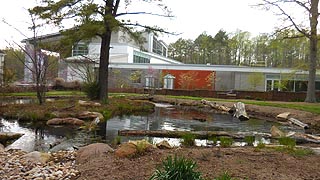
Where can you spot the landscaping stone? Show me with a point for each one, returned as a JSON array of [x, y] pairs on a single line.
[[164, 145], [126, 150], [93, 150], [65, 121], [9, 136], [1, 147], [283, 116], [276, 132], [90, 115], [37, 157], [88, 103]]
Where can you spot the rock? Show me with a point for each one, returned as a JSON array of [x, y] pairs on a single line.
[[1, 148], [283, 116], [65, 121], [126, 150], [93, 150], [132, 148], [90, 115], [88, 103], [164, 145], [276, 132], [37, 156], [9, 136]]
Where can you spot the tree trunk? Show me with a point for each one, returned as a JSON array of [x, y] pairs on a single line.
[[103, 66], [311, 95]]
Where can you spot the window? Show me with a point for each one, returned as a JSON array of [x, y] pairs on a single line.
[[80, 49], [158, 47], [139, 57], [168, 81], [149, 82]]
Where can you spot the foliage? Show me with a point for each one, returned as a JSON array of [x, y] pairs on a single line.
[[287, 141], [188, 80], [14, 63], [8, 76], [224, 176], [91, 89], [249, 140], [176, 168], [225, 141], [188, 139], [117, 140]]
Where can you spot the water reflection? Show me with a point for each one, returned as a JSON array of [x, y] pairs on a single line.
[[44, 138]]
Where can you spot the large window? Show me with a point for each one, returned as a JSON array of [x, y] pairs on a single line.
[[149, 82], [168, 81], [139, 57], [80, 49], [158, 47]]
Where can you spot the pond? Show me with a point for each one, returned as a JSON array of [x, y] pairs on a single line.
[[44, 138]]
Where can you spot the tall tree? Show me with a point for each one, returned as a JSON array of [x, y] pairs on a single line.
[[309, 7], [96, 19]]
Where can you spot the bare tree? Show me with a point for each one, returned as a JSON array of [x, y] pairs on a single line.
[[310, 7], [36, 60]]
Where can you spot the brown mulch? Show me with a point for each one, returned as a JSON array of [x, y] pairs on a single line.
[[240, 163]]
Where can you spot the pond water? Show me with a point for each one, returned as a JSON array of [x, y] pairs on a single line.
[[43, 138]]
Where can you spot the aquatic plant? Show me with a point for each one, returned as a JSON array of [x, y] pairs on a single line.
[[287, 141], [175, 168], [249, 140]]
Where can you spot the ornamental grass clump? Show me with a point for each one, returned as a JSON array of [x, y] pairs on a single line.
[[177, 168]]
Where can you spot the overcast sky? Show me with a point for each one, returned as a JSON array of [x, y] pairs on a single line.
[[191, 19]]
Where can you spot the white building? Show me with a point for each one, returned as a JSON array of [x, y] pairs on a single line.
[[85, 54]]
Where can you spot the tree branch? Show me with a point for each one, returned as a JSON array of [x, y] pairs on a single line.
[[144, 13]]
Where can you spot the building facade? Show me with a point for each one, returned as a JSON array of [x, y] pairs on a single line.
[[2, 54]]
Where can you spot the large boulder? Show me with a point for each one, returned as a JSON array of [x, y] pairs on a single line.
[[65, 121], [37, 157], [6, 137], [133, 148], [90, 115], [91, 151], [126, 150]]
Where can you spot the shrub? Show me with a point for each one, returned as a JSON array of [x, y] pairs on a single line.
[[91, 90], [287, 141], [175, 168], [224, 176], [226, 141], [188, 139], [249, 140]]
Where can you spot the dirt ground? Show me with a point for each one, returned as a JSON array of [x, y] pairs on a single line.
[[239, 162]]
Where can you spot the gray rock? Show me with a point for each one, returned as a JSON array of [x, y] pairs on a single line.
[[93, 150]]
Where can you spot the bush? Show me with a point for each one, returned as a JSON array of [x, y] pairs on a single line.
[[226, 141], [188, 139], [175, 168], [249, 140], [91, 90], [287, 141]]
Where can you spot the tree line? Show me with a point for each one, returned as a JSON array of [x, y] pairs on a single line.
[[242, 49]]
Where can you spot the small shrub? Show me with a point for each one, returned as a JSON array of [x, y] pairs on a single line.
[[287, 141], [249, 140], [91, 90], [260, 145], [107, 114], [214, 140], [175, 168], [117, 140], [141, 147], [188, 139], [225, 141], [224, 176]]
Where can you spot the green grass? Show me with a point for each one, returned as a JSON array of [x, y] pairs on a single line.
[[50, 93], [309, 107]]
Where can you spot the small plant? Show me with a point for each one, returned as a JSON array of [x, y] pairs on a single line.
[[224, 176], [176, 168], [249, 140], [287, 141], [117, 140], [141, 147], [214, 140], [188, 139], [91, 89], [260, 145], [225, 141]]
